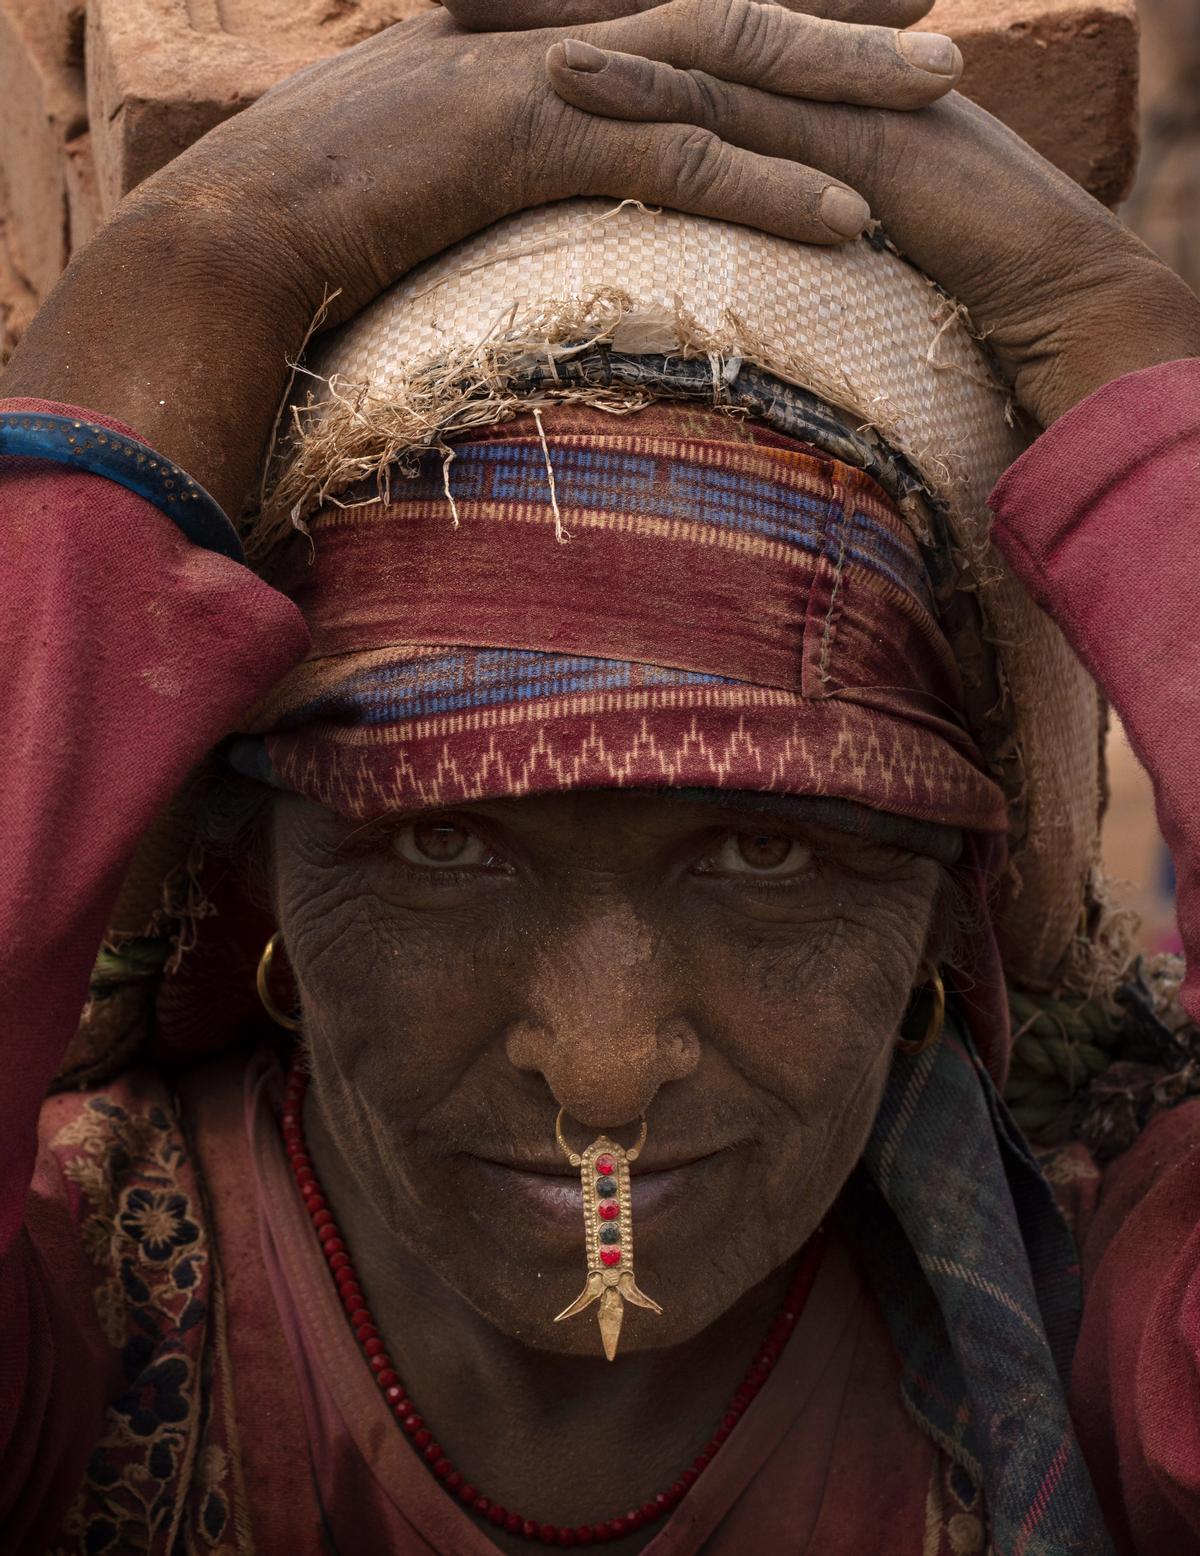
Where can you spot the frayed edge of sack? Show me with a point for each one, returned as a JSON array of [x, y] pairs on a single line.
[[349, 433], [1104, 953]]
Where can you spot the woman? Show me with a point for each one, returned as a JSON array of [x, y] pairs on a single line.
[[465, 974]]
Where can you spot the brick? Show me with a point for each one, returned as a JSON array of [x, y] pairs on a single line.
[[17, 302], [161, 73], [70, 16], [1170, 58], [310, 29], [1165, 205], [84, 214], [1062, 73], [41, 108]]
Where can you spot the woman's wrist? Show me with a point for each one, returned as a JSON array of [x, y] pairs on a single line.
[[173, 325], [1138, 319]]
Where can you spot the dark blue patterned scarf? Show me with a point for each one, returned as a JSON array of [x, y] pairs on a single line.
[[978, 1278]]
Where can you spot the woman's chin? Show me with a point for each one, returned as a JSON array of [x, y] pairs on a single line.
[[683, 1218]]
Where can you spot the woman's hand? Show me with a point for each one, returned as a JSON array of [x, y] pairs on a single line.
[[179, 317], [1067, 297]]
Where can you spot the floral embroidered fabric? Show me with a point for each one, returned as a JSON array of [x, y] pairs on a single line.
[[160, 1475]]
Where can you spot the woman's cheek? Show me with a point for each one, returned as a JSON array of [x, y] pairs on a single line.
[[404, 1045], [804, 1025], [390, 1007], [379, 1079], [818, 1038]]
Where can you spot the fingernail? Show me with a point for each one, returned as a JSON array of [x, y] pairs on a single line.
[[844, 212], [930, 51], [583, 56]]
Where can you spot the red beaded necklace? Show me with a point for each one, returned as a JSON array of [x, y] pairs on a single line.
[[413, 1424]]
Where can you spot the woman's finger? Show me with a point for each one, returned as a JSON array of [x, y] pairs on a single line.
[[788, 54], [610, 85], [523, 15], [696, 171], [1030, 253]]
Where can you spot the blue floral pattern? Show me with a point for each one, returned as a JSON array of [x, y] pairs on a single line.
[[157, 1221]]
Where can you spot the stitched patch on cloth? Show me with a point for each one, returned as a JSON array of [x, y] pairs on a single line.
[[731, 611]]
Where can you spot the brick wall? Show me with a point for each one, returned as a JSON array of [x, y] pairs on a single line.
[[97, 94], [1165, 207]]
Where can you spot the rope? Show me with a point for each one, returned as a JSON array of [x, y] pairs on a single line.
[[1099, 1070]]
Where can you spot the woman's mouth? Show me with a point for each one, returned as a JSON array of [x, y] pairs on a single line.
[[555, 1195]]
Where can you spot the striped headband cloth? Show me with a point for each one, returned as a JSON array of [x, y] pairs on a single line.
[[669, 600]]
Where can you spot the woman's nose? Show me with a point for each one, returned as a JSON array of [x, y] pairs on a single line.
[[604, 1072], [600, 1026]]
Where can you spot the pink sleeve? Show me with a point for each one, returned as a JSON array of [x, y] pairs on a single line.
[[125, 653], [1135, 1383], [1100, 520]]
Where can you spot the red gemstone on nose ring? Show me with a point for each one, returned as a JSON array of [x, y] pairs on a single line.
[[604, 1166], [609, 1210]]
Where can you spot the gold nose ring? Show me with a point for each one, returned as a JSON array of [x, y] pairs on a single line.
[[607, 1231], [575, 1159]]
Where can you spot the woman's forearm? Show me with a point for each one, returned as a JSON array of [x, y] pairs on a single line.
[[127, 653], [1099, 520], [163, 324]]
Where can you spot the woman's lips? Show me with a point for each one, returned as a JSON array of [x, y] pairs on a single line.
[[558, 1196]]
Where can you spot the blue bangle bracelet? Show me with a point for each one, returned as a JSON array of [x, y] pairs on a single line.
[[84, 445]]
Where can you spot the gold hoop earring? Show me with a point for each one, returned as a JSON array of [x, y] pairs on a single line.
[[279, 1017], [918, 1045]]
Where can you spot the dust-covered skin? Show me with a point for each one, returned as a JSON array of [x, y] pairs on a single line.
[[616, 955]]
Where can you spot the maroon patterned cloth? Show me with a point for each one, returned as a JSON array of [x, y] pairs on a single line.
[[732, 610]]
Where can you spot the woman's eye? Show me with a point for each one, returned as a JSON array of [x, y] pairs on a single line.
[[759, 853], [441, 843]]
